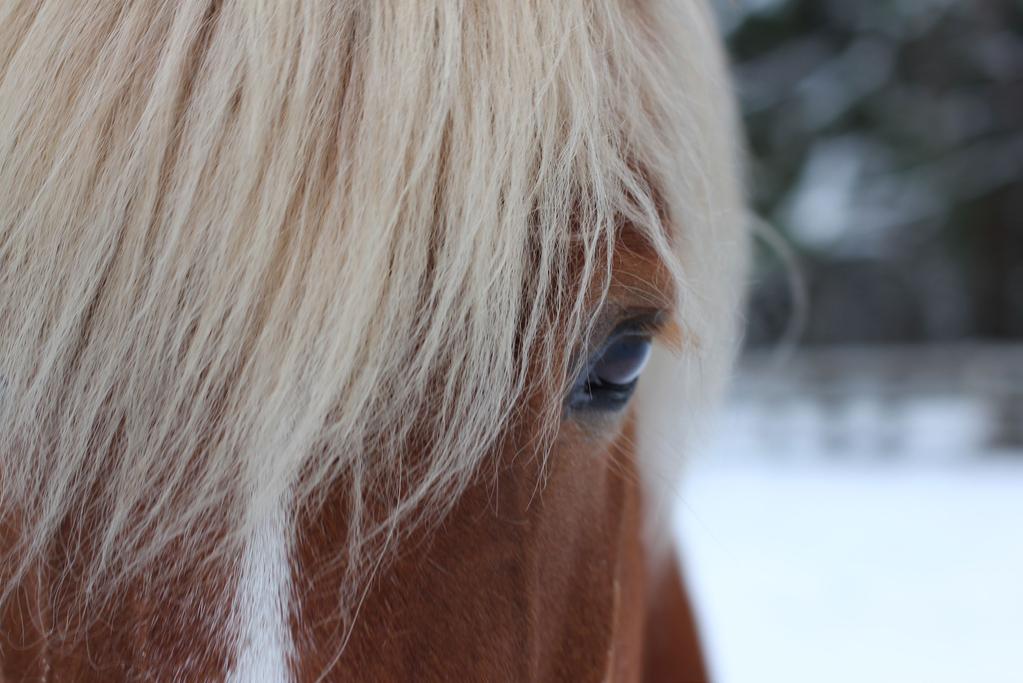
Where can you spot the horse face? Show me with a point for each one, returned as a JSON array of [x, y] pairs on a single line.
[[327, 332]]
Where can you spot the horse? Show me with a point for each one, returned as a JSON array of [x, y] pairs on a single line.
[[348, 340]]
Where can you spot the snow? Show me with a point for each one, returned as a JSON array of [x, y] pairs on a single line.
[[879, 541]]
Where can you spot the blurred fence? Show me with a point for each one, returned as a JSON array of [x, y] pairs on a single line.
[[931, 404]]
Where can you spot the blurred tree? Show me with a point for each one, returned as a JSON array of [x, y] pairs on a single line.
[[887, 146]]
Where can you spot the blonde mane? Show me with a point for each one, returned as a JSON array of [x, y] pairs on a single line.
[[251, 248]]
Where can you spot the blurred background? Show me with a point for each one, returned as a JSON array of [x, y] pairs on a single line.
[[857, 515]]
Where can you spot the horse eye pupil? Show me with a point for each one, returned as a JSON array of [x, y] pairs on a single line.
[[623, 361]]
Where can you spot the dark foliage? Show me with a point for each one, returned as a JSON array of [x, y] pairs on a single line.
[[887, 146]]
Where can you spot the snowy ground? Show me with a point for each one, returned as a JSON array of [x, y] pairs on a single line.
[[857, 532]]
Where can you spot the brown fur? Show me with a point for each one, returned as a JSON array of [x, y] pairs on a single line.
[[520, 582]]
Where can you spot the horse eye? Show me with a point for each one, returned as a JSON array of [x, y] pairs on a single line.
[[611, 377]]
